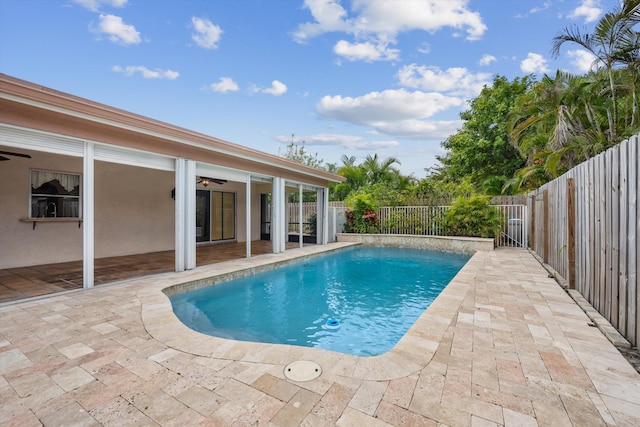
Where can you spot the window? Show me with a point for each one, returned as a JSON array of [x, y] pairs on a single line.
[[54, 194]]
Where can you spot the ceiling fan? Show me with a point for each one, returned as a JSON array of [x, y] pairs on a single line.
[[206, 181], [9, 153]]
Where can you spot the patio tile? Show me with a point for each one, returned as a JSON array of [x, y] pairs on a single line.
[[118, 412], [201, 400], [276, 387], [333, 403], [296, 409], [76, 350], [12, 360], [368, 396], [504, 345], [73, 378], [71, 415]]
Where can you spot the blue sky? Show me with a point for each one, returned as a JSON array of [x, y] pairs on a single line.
[[352, 77]]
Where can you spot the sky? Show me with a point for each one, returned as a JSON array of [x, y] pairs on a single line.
[[342, 77]]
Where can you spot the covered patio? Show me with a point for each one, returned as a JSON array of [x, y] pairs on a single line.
[[93, 194], [38, 280]]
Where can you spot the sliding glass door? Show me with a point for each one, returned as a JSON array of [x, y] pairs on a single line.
[[223, 215]]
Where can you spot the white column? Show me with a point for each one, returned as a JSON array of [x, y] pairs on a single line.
[[278, 215], [179, 214], [248, 214], [88, 220], [300, 214], [275, 223], [322, 201], [190, 215]]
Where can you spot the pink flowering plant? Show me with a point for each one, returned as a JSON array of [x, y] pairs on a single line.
[[361, 215]]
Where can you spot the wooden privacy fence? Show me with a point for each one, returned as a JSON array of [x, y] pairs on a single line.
[[584, 224]]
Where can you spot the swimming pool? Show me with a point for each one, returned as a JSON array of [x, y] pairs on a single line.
[[375, 295]]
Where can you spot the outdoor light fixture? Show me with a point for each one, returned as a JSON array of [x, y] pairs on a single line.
[[204, 182]]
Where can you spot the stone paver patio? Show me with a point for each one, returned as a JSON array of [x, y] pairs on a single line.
[[502, 345]]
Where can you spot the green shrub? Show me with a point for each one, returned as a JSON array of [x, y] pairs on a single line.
[[473, 217], [361, 214]]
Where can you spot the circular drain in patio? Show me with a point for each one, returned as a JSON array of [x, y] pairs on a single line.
[[302, 370]]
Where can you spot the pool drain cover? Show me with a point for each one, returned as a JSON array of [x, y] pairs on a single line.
[[302, 370]]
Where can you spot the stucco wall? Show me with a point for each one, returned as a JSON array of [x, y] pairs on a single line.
[[20, 244], [466, 245], [134, 211]]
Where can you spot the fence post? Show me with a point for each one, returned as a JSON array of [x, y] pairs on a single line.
[[532, 234], [545, 226], [571, 234]]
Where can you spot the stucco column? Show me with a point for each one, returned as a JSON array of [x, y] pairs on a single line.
[[322, 216], [300, 221], [88, 220], [179, 194], [248, 214], [278, 215], [190, 215], [185, 214]]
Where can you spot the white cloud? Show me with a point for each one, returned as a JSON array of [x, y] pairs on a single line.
[[146, 73], [582, 60], [420, 129], [226, 84], [277, 88], [588, 9], [487, 59], [94, 5], [377, 23], [393, 112], [117, 31], [457, 80], [367, 51], [534, 63], [207, 34], [546, 5], [349, 142]]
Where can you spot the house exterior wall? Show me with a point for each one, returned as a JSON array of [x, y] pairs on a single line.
[[20, 244], [134, 213]]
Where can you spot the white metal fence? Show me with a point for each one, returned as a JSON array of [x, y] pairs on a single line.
[[428, 221]]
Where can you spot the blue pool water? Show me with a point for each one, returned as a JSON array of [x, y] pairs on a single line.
[[374, 294]]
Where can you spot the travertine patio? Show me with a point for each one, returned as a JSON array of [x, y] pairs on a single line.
[[502, 345]]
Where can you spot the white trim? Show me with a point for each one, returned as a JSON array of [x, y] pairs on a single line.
[[119, 125], [133, 157], [88, 220], [220, 172], [30, 139]]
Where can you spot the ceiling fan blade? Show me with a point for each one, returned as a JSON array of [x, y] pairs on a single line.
[[3, 158], [9, 153]]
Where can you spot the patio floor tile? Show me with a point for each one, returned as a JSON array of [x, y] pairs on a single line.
[[503, 345]]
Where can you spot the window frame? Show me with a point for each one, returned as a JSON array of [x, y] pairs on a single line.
[[32, 214]]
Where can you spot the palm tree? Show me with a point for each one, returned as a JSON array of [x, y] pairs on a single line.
[[608, 43], [379, 171]]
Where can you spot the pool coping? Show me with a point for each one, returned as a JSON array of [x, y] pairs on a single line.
[[412, 352]]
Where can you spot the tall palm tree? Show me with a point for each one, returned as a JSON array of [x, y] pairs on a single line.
[[608, 41]]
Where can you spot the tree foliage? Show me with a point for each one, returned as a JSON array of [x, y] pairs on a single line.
[[481, 150]]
